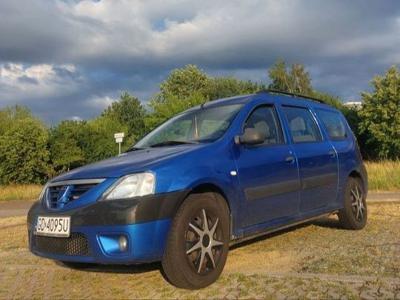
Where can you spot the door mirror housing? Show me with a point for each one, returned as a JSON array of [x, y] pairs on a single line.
[[250, 136]]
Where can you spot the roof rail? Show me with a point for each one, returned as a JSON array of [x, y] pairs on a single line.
[[272, 91]]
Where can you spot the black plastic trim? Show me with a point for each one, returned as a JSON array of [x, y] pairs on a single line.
[[118, 212], [273, 189], [319, 180]]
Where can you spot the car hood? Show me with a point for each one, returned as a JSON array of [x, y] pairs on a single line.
[[126, 163]]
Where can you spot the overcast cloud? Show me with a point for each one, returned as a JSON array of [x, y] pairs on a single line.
[[70, 59]]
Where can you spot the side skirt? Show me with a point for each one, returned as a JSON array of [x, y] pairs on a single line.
[[276, 229]]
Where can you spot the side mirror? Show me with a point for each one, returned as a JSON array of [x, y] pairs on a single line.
[[250, 136]]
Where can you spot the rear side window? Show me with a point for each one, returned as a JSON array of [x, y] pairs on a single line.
[[333, 123], [264, 120], [302, 125]]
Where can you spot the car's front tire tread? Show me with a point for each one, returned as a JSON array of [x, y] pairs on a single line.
[[175, 267]]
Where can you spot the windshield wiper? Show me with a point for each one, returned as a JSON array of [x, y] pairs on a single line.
[[134, 149], [172, 143]]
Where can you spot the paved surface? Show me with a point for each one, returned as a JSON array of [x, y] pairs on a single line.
[[20, 208], [14, 208], [383, 196]]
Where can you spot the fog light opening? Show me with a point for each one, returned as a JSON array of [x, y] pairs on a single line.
[[123, 243]]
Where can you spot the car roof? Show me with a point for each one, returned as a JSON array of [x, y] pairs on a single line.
[[276, 97]]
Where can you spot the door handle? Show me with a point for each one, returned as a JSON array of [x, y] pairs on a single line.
[[289, 159], [332, 153]]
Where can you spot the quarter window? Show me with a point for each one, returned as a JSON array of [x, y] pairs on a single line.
[[333, 123], [302, 125], [264, 120]]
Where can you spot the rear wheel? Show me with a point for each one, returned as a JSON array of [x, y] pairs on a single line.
[[198, 242], [354, 213]]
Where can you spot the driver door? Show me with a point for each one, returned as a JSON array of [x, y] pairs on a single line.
[[268, 172]]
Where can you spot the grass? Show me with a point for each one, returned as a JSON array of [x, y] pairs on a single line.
[[384, 175], [19, 192]]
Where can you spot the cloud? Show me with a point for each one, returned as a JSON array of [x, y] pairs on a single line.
[[102, 102], [74, 52], [18, 80]]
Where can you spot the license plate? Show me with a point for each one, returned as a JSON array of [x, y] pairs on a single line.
[[53, 226]]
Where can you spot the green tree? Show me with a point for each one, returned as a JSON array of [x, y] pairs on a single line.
[[297, 80], [11, 114], [222, 87], [161, 110], [65, 145], [190, 86], [380, 115], [97, 139], [293, 80], [130, 112], [329, 99], [184, 82], [183, 88], [24, 155]]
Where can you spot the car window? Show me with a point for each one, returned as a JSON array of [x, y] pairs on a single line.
[[203, 124], [333, 123], [180, 130], [302, 125], [212, 124], [264, 120]]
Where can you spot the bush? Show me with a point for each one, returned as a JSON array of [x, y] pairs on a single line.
[[24, 157], [380, 116]]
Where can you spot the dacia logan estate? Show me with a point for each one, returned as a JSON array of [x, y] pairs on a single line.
[[214, 175]]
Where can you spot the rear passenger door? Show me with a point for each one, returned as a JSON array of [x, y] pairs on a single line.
[[340, 137], [268, 172], [316, 157]]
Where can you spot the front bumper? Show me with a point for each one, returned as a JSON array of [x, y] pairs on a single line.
[[96, 228]]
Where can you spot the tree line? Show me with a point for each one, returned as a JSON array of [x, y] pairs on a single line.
[[31, 152]]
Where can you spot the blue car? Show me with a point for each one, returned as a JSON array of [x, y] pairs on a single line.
[[214, 175]]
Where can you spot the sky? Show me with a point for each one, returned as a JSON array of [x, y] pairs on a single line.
[[70, 59]]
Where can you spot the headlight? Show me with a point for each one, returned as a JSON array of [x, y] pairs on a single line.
[[134, 185], [43, 192]]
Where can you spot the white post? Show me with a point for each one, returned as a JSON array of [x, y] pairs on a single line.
[[119, 137]]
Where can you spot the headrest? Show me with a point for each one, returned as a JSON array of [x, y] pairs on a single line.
[[297, 124], [263, 127]]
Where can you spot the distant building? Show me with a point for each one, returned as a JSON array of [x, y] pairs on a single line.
[[353, 104]]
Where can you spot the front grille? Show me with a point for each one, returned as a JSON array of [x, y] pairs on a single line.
[[76, 244], [58, 196]]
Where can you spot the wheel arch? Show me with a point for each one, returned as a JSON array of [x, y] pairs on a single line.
[[362, 175], [211, 187], [355, 174], [207, 187]]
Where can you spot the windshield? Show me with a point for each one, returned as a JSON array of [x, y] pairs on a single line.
[[200, 125]]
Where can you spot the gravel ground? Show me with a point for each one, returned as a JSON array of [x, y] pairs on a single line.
[[316, 260]]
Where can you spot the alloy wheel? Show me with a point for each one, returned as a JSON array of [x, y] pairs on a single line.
[[203, 242], [357, 204]]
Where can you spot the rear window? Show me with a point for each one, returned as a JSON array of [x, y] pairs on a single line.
[[333, 123]]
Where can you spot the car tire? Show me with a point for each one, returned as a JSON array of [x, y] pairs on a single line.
[[195, 254], [354, 213]]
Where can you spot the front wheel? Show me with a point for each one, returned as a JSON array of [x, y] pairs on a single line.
[[198, 242], [354, 213]]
